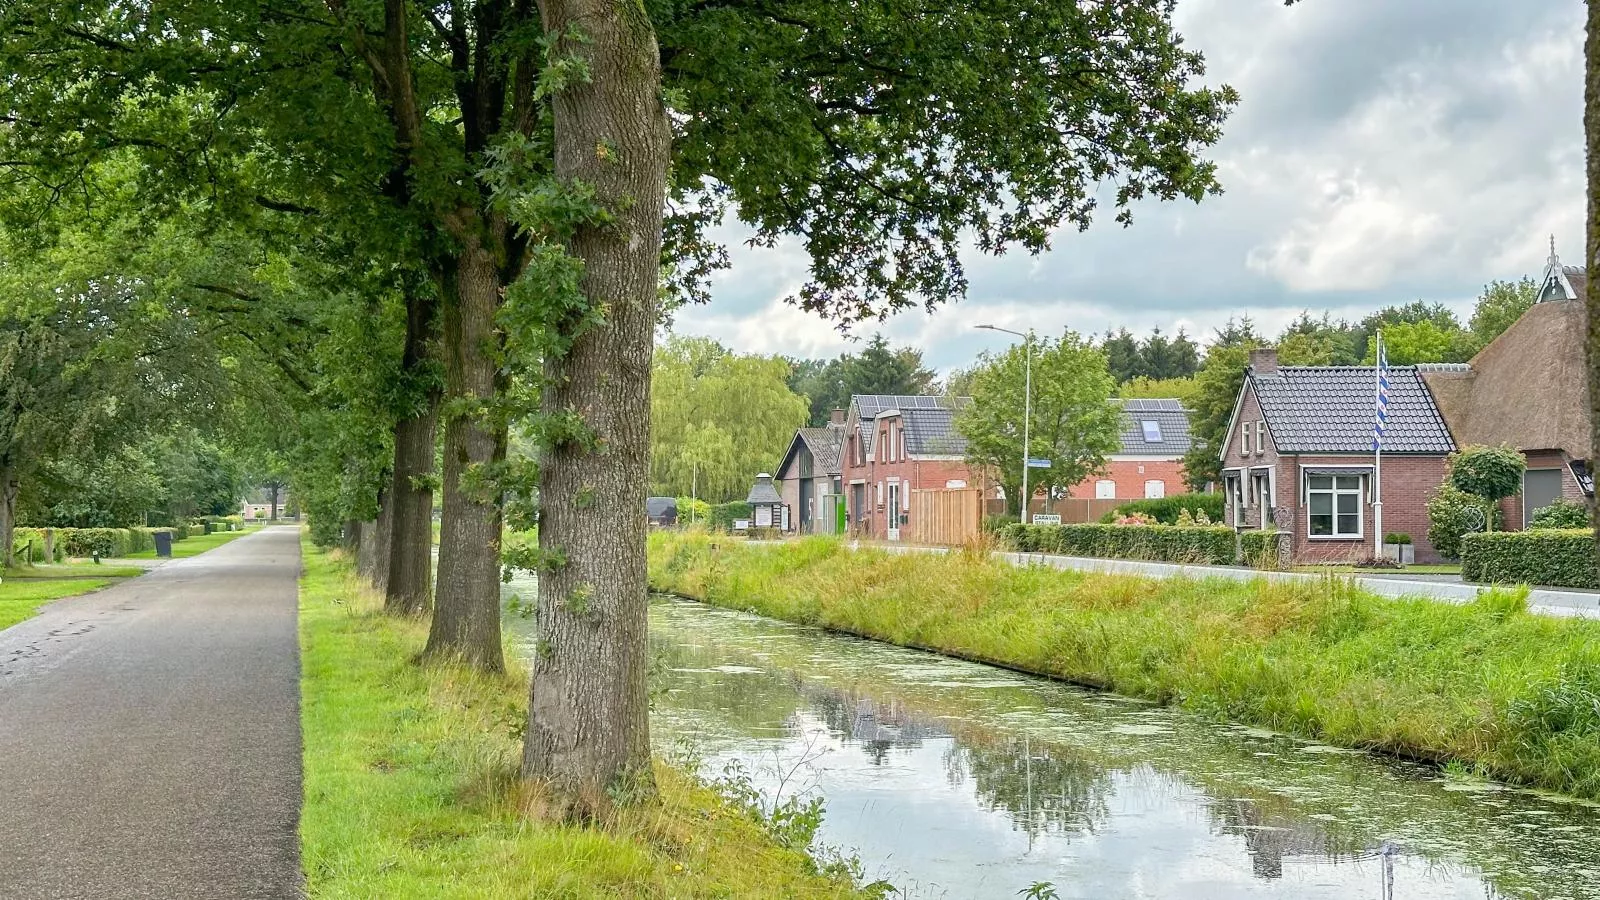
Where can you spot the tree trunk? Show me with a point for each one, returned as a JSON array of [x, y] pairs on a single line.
[[377, 568], [409, 591], [272, 511], [350, 536], [8, 510], [1591, 131], [367, 549], [466, 614], [588, 727]]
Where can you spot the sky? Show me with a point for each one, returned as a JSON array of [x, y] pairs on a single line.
[[1383, 151]]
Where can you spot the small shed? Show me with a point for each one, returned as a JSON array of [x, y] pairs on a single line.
[[766, 504]]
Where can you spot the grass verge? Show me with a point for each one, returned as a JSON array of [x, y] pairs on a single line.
[[194, 544], [1510, 694], [20, 598], [410, 788]]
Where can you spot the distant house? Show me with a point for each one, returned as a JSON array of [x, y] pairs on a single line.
[[1529, 389], [1299, 456], [258, 504], [1155, 437], [894, 445], [811, 476]]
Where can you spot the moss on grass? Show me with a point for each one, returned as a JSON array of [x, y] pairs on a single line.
[[1512, 694], [410, 788]]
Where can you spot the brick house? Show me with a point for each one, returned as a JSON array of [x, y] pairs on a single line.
[[894, 445], [810, 476], [1299, 457], [1155, 437], [1529, 389]]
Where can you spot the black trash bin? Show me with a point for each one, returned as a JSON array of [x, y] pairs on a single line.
[[164, 544]]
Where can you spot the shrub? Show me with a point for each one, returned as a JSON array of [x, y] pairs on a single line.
[[101, 542], [1555, 558], [998, 524], [326, 531], [1259, 549], [1490, 473], [1561, 514], [693, 512], [28, 545], [1165, 543], [723, 515], [1165, 510], [1397, 537], [1450, 511]]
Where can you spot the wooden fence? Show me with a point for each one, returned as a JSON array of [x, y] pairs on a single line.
[[1071, 510], [945, 518]]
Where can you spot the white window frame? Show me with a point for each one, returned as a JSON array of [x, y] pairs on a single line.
[[1261, 436], [1105, 481], [1161, 489], [1359, 492], [1236, 489], [1244, 439]]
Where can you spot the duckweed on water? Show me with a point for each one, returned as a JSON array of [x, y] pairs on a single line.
[[1507, 694]]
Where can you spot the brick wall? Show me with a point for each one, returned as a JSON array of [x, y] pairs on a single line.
[[911, 473], [1511, 507], [1130, 475]]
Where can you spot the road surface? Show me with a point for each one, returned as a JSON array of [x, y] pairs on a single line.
[[150, 734]]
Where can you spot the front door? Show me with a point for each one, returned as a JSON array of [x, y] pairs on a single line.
[[858, 515], [1540, 488], [894, 511], [805, 512]]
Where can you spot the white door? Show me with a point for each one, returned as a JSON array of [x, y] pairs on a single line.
[[893, 510]]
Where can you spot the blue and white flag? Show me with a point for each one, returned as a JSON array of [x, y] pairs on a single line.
[[1381, 416]]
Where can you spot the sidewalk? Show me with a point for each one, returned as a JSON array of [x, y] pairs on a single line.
[[1542, 600]]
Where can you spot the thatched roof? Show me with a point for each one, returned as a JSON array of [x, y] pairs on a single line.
[[1528, 388]]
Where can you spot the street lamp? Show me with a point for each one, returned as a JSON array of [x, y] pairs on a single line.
[[1027, 406]]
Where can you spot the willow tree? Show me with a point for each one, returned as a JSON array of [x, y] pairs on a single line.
[[537, 158]]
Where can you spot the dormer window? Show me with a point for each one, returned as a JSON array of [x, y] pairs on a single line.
[[1152, 431]]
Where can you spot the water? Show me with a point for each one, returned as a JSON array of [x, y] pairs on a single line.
[[952, 779]]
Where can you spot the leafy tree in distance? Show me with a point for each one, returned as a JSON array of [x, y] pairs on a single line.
[[877, 369], [1489, 473], [1123, 358], [1410, 343], [1211, 406], [1181, 389], [1499, 306], [1074, 423]]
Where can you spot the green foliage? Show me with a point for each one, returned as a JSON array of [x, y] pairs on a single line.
[[717, 419], [692, 511], [105, 543], [1397, 537], [1201, 544], [1489, 473], [1216, 390], [1410, 343], [1540, 557], [1453, 513], [1259, 548], [1182, 390], [1562, 514], [1165, 510], [1073, 424], [722, 515], [1155, 359], [1500, 305], [829, 384]]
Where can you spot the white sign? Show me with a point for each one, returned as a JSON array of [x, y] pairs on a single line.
[[741, 524], [1043, 519]]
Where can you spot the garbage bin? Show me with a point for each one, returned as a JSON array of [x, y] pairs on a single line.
[[164, 544]]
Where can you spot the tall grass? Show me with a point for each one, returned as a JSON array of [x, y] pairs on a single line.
[[411, 788], [1488, 685]]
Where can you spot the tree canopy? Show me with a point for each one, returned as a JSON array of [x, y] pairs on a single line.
[[878, 369]]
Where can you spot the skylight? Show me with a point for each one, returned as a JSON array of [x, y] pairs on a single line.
[[1152, 431]]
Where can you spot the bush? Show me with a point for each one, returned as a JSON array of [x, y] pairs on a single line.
[[1397, 537], [1561, 514], [1163, 543], [998, 524], [1165, 509], [1450, 511], [326, 531], [1259, 549], [28, 545], [722, 515], [693, 512], [101, 542], [1554, 558]]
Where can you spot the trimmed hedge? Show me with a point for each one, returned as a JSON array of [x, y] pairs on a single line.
[[1539, 557], [1561, 514], [1165, 509], [21, 538], [1259, 548], [1215, 545], [723, 515]]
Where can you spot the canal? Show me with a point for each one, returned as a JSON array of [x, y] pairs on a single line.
[[952, 779]]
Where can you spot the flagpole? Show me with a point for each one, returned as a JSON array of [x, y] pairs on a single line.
[[1377, 452]]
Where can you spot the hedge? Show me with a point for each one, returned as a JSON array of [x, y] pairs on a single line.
[[21, 538], [1165, 509], [723, 515], [1538, 557], [1160, 543], [1259, 548], [1561, 514]]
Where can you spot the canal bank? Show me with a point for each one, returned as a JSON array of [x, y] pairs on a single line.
[[1483, 686]]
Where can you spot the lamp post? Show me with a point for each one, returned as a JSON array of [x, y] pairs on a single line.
[[1027, 407]]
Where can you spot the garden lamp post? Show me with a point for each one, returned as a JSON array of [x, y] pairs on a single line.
[[1027, 407]]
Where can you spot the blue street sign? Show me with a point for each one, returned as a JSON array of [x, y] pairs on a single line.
[[1038, 463]]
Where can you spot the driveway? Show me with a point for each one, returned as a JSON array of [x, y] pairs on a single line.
[[150, 734]]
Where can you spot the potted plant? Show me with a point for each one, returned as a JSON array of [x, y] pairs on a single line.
[[1397, 546]]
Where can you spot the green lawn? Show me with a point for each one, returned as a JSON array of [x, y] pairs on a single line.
[[20, 598], [72, 570], [1440, 569], [194, 545], [411, 788]]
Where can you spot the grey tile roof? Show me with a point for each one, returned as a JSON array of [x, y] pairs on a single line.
[[825, 444], [932, 432], [763, 491], [1329, 409], [869, 406], [1170, 417]]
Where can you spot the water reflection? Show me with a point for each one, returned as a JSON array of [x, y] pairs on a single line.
[[958, 780]]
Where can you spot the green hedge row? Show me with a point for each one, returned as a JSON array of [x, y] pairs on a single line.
[[723, 515], [1165, 510], [87, 542], [1259, 548], [1538, 557], [1215, 545]]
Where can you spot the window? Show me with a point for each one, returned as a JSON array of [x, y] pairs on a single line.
[[1261, 488], [1333, 505], [1155, 489], [1236, 491], [1261, 437], [1105, 489], [1152, 431], [1244, 439]]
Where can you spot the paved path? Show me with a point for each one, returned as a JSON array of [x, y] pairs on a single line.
[[150, 734], [1548, 601]]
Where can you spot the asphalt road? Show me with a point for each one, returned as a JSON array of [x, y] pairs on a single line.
[[150, 734]]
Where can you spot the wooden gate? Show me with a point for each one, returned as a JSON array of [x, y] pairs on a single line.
[[945, 518]]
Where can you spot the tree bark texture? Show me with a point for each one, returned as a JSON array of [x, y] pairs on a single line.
[[272, 511], [383, 532], [8, 515], [367, 549], [466, 614], [409, 590], [588, 728], [1591, 132]]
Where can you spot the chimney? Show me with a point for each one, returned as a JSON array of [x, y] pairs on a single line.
[[836, 417], [1264, 361]]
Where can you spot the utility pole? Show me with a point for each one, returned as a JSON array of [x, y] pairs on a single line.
[[1027, 409]]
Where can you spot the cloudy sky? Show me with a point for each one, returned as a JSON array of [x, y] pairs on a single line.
[[1383, 151]]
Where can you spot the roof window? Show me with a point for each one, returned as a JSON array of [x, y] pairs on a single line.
[[1152, 431]]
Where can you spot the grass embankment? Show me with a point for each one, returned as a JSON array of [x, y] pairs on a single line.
[[24, 589], [410, 787], [195, 544], [1512, 694]]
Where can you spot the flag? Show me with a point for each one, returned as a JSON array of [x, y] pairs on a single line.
[[1380, 419]]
